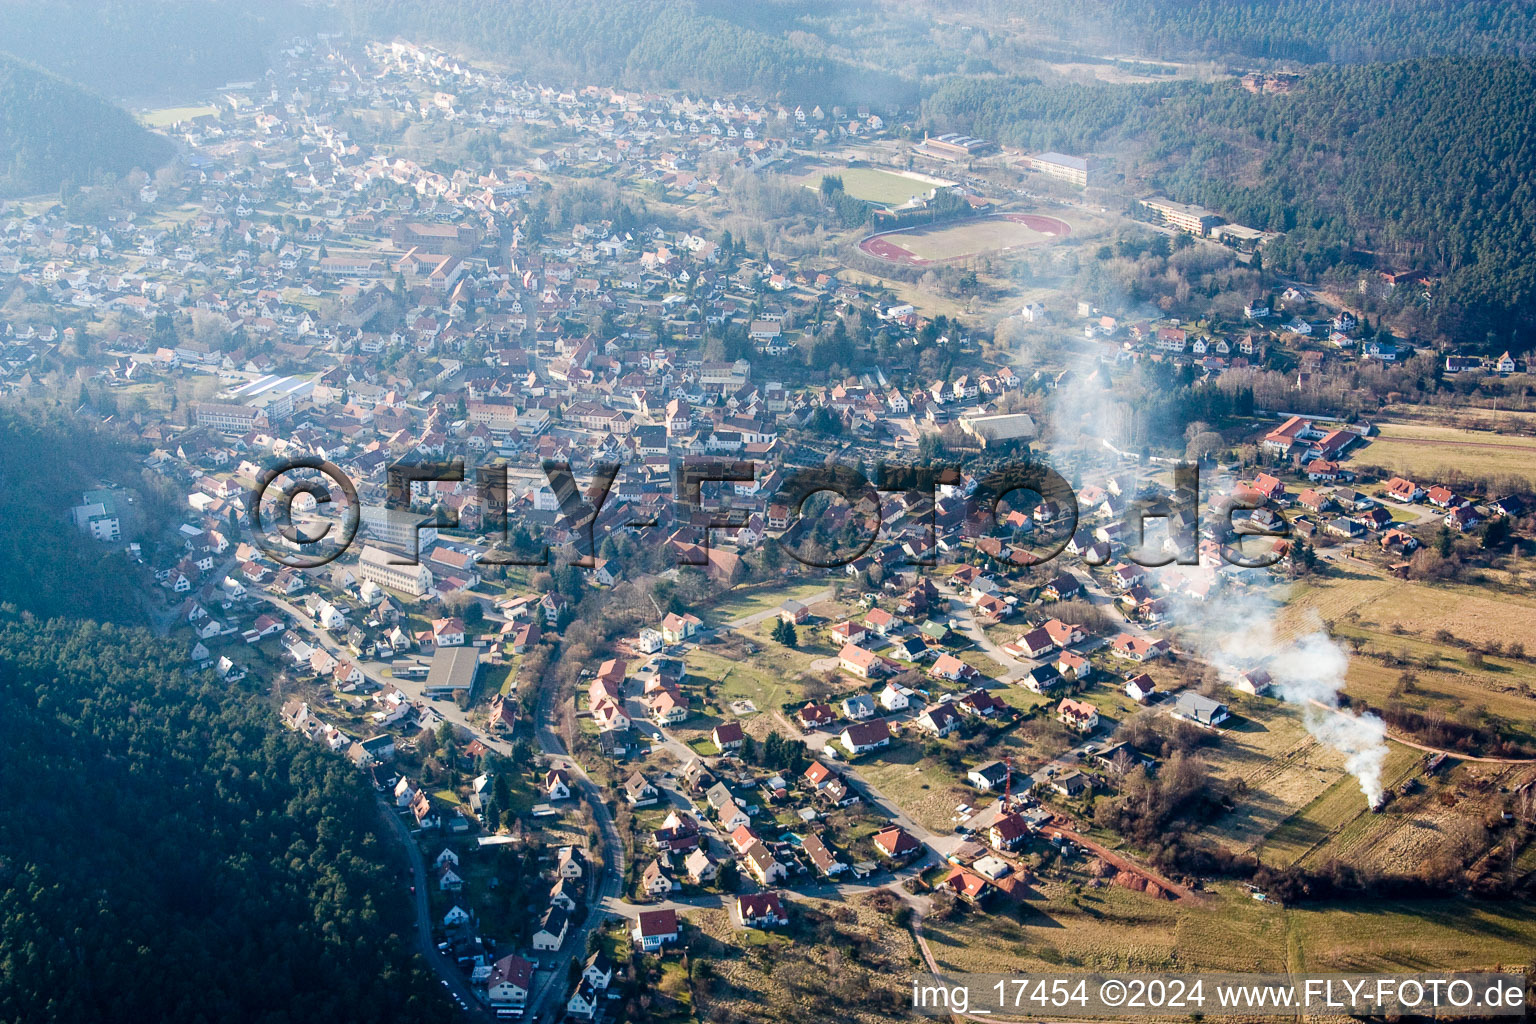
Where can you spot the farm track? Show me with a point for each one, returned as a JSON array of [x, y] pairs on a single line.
[[1394, 737]]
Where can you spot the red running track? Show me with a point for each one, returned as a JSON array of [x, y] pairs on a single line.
[[881, 247]]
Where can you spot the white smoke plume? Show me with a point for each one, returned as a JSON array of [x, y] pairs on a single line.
[[1236, 633], [1236, 630]]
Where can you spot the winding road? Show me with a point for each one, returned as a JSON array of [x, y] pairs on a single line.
[[452, 978]]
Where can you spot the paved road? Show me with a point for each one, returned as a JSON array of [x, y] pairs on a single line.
[[602, 893], [452, 977], [1012, 668]]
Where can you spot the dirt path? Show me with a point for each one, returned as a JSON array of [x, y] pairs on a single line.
[[1124, 863], [1396, 738]]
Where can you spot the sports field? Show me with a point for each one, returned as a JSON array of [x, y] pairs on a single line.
[[1428, 451], [981, 236], [167, 116], [888, 188]]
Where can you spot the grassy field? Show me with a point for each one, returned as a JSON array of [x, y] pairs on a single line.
[[918, 785], [1318, 829], [768, 679], [1113, 929], [167, 116], [1390, 935], [870, 184], [1110, 929], [1393, 625], [1428, 451], [754, 599], [804, 972], [1282, 767], [988, 235]]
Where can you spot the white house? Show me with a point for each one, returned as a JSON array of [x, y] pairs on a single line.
[[551, 930], [654, 929], [509, 981]]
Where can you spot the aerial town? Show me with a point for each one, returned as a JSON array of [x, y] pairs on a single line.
[[631, 706]]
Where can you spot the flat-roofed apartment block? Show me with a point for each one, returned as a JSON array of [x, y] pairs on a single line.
[[1071, 169], [397, 528], [229, 418], [378, 565], [1197, 220], [97, 515], [954, 146], [453, 669], [452, 239], [498, 415]]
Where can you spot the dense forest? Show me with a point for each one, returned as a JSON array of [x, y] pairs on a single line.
[[923, 40], [52, 131], [150, 50], [643, 43], [170, 853], [1423, 164], [1308, 31]]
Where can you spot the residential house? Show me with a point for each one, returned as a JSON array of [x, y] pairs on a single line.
[[1077, 715], [988, 776], [639, 791], [895, 843], [1200, 709], [509, 982], [1140, 688], [654, 929], [557, 784], [759, 910], [863, 737], [550, 931]]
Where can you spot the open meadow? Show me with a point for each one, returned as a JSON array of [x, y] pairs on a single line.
[[1075, 925], [1429, 452], [1440, 636]]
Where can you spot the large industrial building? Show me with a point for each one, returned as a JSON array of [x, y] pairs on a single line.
[[999, 428], [952, 146], [453, 669]]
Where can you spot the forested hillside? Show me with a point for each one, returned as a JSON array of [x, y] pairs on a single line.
[[150, 50], [52, 131], [658, 43], [47, 459], [170, 853], [1424, 164], [1429, 164], [1308, 31]]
